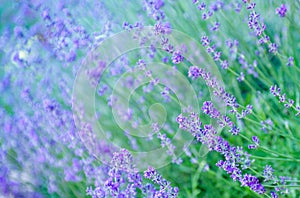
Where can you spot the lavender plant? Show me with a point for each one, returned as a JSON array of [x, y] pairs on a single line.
[[149, 98]]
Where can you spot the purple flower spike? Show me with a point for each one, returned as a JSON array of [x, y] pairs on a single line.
[[253, 183], [165, 189]]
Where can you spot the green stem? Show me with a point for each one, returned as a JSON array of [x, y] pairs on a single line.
[[270, 151], [290, 186], [272, 158]]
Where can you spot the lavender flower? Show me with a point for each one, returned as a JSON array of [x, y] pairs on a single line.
[[298, 110], [194, 72], [290, 61], [192, 123], [251, 6], [165, 189], [273, 48], [166, 94], [255, 140], [153, 8], [215, 26], [252, 146], [273, 194], [141, 64], [201, 6], [275, 90], [166, 142], [290, 103], [281, 11], [209, 109], [282, 185], [264, 39], [282, 98], [234, 130], [253, 183], [204, 16], [177, 57], [253, 23], [205, 41], [268, 173], [219, 91], [232, 154], [217, 56], [241, 77], [224, 64]]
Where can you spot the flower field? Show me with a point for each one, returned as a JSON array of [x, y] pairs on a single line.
[[150, 98]]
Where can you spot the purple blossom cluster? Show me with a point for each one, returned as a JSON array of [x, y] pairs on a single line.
[[235, 157], [153, 8], [219, 91], [211, 49], [258, 26], [177, 57], [165, 189], [233, 45], [124, 180], [255, 141], [191, 123], [236, 160], [166, 143], [281, 11], [290, 61], [288, 103], [255, 24], [253, 183], [223, 120], [268, 173], [209, 10]]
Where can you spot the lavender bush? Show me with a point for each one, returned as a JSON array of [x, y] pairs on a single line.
[[149, 98]]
